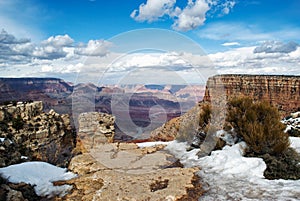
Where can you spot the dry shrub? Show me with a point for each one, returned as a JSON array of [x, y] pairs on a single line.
[[258, 124], [205, 116], [189, 127]]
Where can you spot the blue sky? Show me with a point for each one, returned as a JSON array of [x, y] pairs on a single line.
[[63, 32]]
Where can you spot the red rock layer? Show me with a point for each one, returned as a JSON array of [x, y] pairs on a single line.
[[281, 91]]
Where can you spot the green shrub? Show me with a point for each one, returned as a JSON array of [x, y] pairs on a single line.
[[258, 124]]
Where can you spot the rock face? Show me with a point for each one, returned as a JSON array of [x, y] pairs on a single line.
[[95, 129], [186, 124], [281, 91], [36, 134]]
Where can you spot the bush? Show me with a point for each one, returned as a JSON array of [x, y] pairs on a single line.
[[205, 116], [284, 166], [258, 124]]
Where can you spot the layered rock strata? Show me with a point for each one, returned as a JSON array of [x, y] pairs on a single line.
[[37, 135], [280, 90]]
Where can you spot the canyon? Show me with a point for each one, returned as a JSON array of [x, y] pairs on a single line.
[[32, 130]]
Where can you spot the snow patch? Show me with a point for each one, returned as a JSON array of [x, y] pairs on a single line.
[[295, 143], [151, 144], [227, 175], [41, 175]]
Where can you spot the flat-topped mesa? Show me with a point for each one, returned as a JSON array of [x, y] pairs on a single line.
[[280, 90], [95, 128]]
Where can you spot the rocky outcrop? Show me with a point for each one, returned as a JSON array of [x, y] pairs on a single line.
[[280, 90], [36, 134], [122, 171], [95, 129], [186, 125], [17, 192]]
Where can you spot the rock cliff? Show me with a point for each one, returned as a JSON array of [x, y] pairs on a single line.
[[28, 132], [280, 90]]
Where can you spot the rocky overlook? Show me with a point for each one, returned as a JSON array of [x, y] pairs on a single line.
[[280, 90], [125, 171]]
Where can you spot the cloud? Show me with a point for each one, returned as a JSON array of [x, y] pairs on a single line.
[[58, 41], [12, 49], [53, 47], [231, 44], [246, 32], [153, 60], [227, 7], [152, 10], [23, 51], [276, 47], [190, 17], [244, 60], [6, 38], [94, 48]]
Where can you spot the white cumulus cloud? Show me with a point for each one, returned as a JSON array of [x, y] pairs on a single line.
[[59, 41], [94, 48], [192, 16], [187, 18], [152, 10]]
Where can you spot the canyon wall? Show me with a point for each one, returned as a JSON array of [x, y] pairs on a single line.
[[280, 90]]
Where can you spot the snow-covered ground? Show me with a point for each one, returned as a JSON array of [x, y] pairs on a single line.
[[41, 175], [228, 175], [151, 144]]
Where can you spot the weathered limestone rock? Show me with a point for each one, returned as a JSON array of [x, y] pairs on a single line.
[[281, 91], [36, 134], [95, 129], [122, 171]]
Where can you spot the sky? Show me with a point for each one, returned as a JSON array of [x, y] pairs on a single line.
[[119, 41]]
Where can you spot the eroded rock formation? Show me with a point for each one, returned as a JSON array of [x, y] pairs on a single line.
[[35, 134], [95, 129], [280, 90]]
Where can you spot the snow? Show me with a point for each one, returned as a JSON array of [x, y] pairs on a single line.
[[40, 174], [3, 139], [295, 143], [227, 175], [151, 144]]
